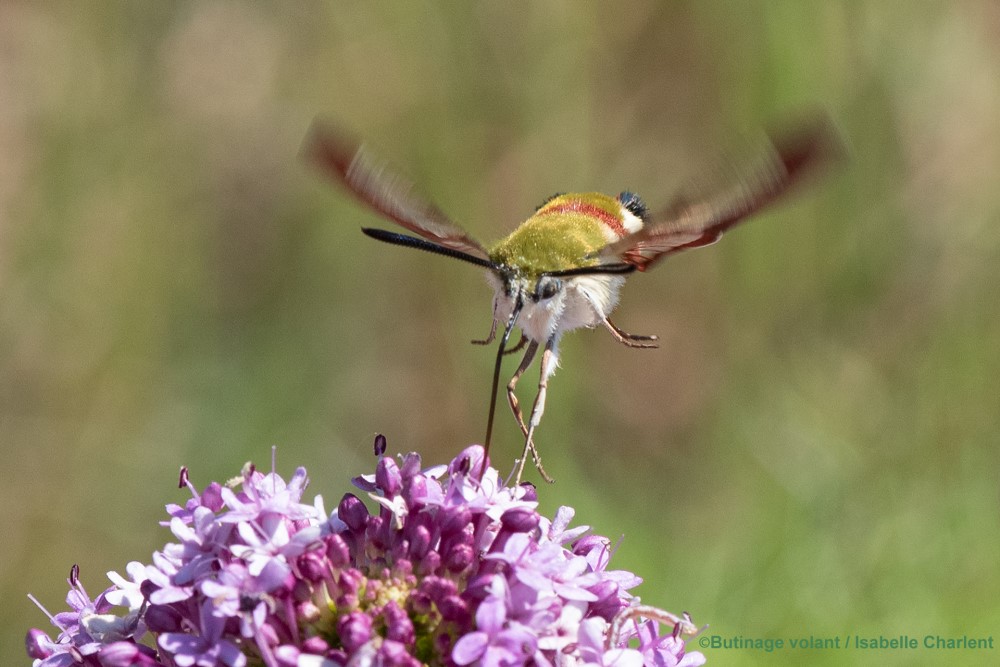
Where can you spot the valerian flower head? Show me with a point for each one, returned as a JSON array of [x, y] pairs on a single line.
[[448, 567]]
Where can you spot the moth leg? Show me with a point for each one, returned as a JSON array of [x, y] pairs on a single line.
[[489, 339], [529, 356], [548, 368], [520, 344], [493, 334], [631, 340]]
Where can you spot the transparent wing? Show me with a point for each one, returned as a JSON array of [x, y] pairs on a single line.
[[783, 161], [376, 184]]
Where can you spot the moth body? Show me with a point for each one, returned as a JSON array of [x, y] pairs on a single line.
[[565, 233]]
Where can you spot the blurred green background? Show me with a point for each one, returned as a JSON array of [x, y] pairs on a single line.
[[812, 452]]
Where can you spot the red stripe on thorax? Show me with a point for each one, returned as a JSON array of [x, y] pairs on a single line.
[[613, 223]]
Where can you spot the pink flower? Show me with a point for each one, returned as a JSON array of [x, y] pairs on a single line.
[[449, 567]]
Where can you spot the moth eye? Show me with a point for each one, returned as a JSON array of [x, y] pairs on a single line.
[[634, 204], [548, 289]]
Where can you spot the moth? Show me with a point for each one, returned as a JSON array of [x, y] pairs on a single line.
[[563, 267]]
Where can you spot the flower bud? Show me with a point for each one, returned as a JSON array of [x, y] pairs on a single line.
[[354, 630], [353, 512]]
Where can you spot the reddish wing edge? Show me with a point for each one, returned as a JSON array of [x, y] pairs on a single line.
[[788, 159], [382, 189]]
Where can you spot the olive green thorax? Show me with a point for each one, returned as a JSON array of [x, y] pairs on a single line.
[[560, 235]]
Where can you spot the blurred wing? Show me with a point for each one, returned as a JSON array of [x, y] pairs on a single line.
[[388, 193], [693, 225]]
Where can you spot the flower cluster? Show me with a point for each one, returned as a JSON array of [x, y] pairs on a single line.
[[453, 568]]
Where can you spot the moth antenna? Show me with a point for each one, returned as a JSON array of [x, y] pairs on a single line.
[[427, 246], [617, 268]]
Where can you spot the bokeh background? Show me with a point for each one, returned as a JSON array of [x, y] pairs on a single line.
[[813, 450]]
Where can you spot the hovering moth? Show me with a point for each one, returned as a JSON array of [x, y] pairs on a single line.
[[563, 267]]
